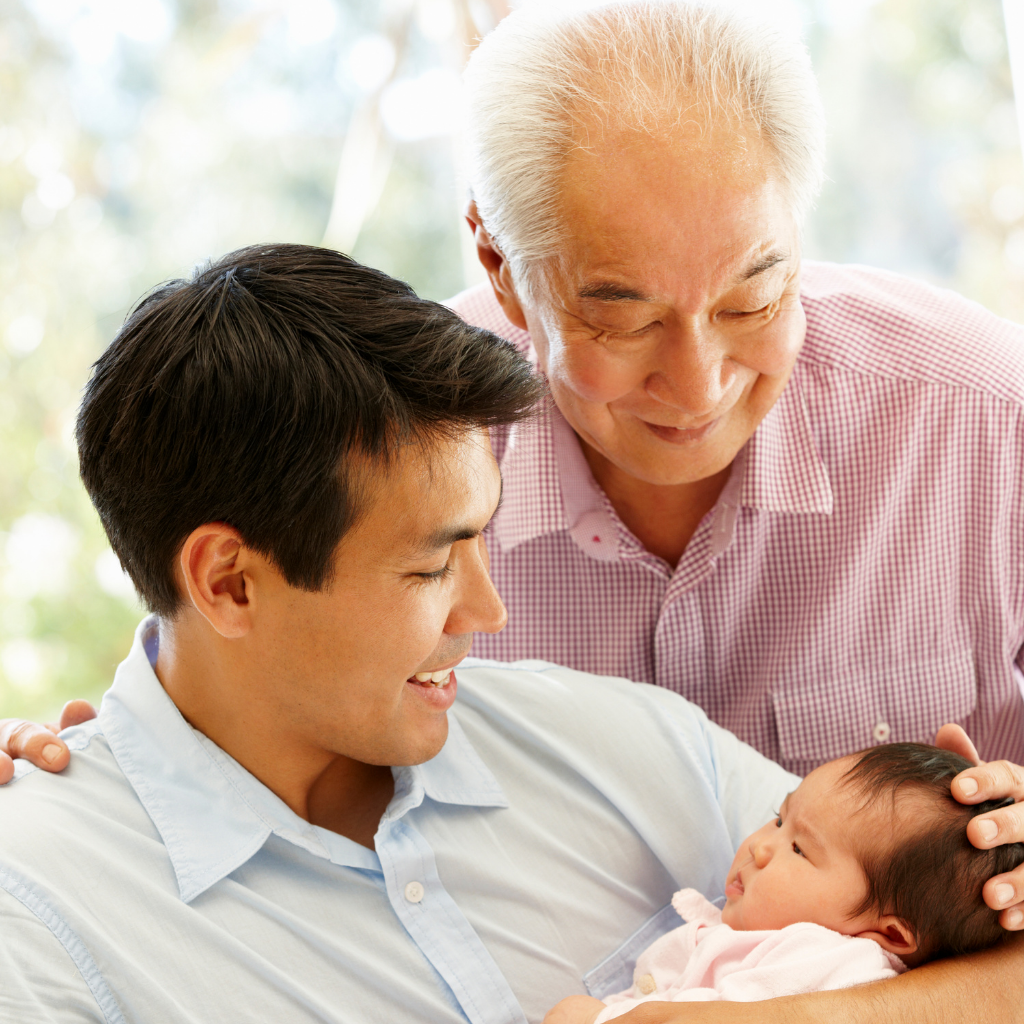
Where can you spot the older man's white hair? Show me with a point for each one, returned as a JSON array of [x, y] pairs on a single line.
[[552, 75]]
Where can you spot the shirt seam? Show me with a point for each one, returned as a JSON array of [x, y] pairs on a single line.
[[825, 363], [22, 891]]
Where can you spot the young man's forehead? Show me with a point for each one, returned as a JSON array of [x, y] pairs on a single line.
[[437, 493]]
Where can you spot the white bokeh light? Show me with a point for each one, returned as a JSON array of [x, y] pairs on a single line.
[[436, 19], [423, 107], [39, 551], [56, 191], [113, 580], [24, 333], [311, 21], [369, 63], [23, 663]]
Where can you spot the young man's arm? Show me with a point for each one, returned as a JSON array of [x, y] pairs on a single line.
[[41, 969], [986, 986]]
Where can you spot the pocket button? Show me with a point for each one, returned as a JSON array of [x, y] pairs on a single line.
[[646, 984], [881, 732]]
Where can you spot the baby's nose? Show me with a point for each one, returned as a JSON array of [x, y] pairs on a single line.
[[761, 852]]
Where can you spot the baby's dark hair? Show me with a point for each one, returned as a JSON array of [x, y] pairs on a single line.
[[932, 878]]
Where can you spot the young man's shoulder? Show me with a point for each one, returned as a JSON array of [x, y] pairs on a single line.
[[876, 323], [604, 728], [54, 827]]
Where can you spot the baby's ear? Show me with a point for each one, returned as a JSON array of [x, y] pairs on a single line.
[[893, 935]]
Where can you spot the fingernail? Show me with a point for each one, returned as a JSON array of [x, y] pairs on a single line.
[[51, 752], [968, 786], [1004, 894], [1014, 918], [988, 829]]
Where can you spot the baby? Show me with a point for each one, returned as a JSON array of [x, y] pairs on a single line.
[[865, 871]]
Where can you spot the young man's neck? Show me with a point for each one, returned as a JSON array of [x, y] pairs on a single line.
[[216, 694]]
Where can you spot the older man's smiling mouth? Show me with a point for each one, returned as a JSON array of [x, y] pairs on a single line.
[[682, 435]]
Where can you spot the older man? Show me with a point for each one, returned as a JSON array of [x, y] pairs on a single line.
[[793, 493]]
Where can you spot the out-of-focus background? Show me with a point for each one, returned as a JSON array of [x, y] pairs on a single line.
[[138, 137]]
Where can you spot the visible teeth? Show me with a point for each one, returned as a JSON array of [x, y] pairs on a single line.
[[434, 678]]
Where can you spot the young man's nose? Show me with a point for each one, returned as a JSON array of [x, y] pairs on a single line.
[[477, 607]]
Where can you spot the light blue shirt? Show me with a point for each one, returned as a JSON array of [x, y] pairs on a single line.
[[156, 880]]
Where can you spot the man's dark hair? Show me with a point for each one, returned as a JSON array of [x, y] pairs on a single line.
[[931, 877], [238, 396]]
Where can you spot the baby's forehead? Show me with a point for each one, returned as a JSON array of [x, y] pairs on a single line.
[[854, 806]]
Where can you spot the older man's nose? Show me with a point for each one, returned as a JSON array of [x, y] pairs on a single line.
[[688, 373]]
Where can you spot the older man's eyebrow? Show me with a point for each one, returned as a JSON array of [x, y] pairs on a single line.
[[764, 263], [607, 291]]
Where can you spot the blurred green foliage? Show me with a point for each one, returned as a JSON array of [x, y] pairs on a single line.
[[139, 136]]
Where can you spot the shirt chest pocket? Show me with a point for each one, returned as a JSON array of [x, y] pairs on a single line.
[[822, 718], [615, 972]]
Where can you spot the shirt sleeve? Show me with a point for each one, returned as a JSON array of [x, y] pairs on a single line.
[[39, 982], [749, 787]]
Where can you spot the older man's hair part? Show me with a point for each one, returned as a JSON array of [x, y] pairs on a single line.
[[551, 71], [241, 396]]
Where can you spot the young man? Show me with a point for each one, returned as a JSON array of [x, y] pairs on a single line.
[[280, 813], [275, 817]]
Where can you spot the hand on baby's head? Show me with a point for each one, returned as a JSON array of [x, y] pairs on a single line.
[[873, 845]]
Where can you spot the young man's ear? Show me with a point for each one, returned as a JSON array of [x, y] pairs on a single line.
[[215, 572], [893, 935], [493, 261]]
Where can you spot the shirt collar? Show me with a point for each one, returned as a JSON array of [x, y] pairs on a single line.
[[549, 486], [211, 813], [782, 468]]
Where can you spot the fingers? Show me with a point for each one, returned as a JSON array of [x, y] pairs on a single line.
[[33, 742], [75, 712], [994, 780], [6, 769], [1005, 893], [952, 737]]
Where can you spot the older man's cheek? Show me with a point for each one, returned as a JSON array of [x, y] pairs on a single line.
[[772, 350]]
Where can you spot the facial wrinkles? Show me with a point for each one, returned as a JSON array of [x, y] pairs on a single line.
[[693, 363]]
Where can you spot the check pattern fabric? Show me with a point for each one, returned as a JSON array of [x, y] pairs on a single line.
[[861, 578]]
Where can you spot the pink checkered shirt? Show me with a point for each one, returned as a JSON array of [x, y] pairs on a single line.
[[861, 578]]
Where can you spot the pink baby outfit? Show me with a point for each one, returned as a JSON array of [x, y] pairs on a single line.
[[705, 960]]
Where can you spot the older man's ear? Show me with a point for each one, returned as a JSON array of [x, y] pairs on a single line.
[[493, 261]]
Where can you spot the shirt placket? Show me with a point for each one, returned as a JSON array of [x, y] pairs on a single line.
[[437, 925]]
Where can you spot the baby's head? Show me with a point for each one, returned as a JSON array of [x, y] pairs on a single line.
[[874, 845]]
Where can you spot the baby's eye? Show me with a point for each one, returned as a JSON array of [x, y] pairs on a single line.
[[778, 821], [796, 849]]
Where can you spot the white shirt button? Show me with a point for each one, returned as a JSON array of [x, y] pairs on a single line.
[[881, 732], [646, 984], [414, 892]]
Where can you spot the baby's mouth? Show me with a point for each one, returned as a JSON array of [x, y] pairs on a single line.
[[735, 887]]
